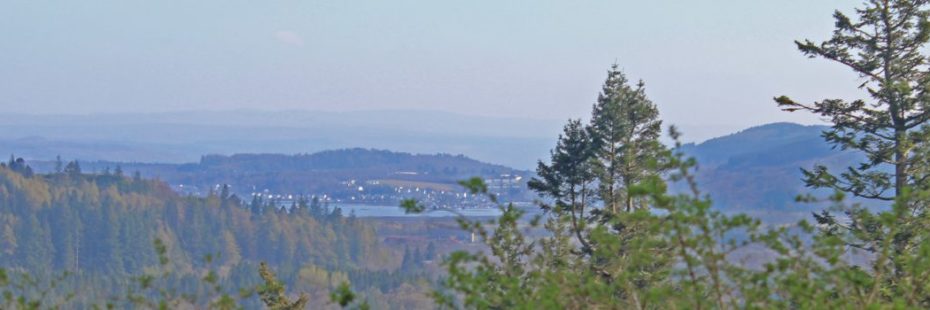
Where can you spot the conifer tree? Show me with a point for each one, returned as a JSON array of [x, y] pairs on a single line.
[[625, 128], [569, 179], [884, 46]]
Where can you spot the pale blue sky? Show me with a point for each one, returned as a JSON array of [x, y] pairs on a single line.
[[711, 66]]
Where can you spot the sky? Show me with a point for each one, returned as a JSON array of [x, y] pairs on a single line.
[[712, 67]]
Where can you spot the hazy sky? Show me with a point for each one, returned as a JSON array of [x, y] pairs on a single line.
[[711, 66]]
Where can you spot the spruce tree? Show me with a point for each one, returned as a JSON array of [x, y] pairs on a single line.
[[625, 127], [605, 162], [569, 178], [884, 46]]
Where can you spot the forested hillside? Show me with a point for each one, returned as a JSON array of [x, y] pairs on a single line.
[[101, 228], [758, 170]]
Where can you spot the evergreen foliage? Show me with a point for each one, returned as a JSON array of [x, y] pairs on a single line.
[[99, 229], [625, 130], [885, 46]]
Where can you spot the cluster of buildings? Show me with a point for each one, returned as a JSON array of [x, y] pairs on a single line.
[[508, 187]]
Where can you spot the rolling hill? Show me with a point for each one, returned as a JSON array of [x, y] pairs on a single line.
[[758, 170]]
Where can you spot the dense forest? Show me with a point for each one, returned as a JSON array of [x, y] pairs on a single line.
[[99, 229]]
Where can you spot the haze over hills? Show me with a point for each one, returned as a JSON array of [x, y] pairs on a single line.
[[730, 166], [181, 137]]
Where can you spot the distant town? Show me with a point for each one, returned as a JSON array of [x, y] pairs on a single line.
[[390, 192]]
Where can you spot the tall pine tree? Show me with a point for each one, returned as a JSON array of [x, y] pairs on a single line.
[[884, 45], [625, 127]]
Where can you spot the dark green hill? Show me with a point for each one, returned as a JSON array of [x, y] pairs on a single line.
[[758, 170], [766, 145]]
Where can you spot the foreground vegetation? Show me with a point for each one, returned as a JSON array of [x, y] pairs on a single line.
[[621, 239]]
